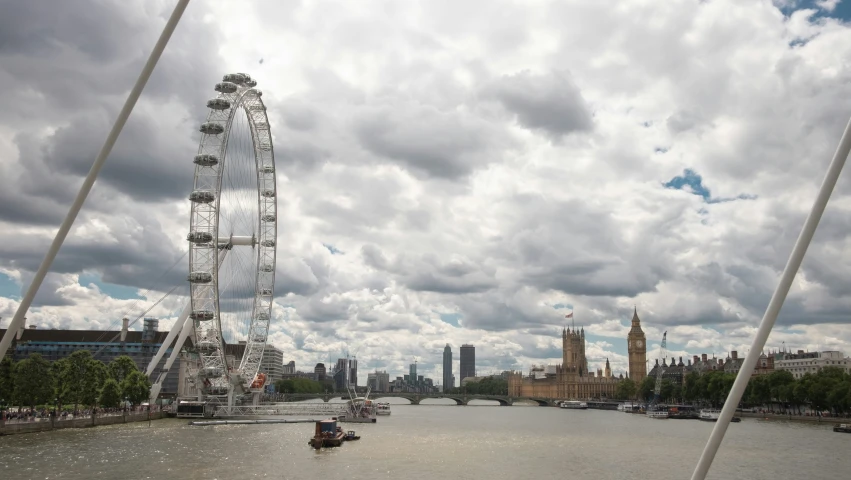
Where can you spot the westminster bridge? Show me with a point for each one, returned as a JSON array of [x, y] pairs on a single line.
[[416, 398]]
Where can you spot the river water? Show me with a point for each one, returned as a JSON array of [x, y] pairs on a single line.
[[434, 442]]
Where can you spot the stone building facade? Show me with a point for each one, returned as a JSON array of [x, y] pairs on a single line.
[[573, 379]]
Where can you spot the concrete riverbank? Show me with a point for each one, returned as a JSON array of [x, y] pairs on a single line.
[[12, 428], [793, 418]]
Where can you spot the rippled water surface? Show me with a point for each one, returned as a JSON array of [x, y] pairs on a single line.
[[434, 441]]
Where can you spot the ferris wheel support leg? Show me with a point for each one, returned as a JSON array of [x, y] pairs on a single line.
[[89, 182], [168, 339], [185, 332]]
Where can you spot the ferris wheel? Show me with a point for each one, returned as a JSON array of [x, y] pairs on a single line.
[[232, 238]]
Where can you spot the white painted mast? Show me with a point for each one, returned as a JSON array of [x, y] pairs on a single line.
[[774, 306], [89, 182]]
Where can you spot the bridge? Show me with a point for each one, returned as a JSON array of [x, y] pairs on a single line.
[[416, 398]]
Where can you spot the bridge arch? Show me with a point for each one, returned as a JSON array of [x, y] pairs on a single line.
[[456, 399], [410, 399]]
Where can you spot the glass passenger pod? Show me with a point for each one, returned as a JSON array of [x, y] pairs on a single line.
[[199, 237], [267, 169], [226, 87], [267, 268], [265, 292], [211, 128], [206, 345], [235, 78], [206, 160], [268, 243], [269, 193], [202, 196], [200, 277], [262, 316], [218, 104], [268, 218], [251, 83], [202, 315]]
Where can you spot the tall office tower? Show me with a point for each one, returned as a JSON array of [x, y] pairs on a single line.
[[468, 361], [447, 368]]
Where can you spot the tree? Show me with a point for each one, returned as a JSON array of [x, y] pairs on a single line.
[[626, 389], [647, 389], [110, 394], [6, 384], [136, 387], [80, 378], [33, 381], [691, 387], [121, 367], [298, 385]]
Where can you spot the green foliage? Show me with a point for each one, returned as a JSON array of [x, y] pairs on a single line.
[[136, 387], [626, 389], [33, 381], [80, 378], [7, 385], [110, 394], [647, 389], [121, 367], [485, 386], [299, 385]]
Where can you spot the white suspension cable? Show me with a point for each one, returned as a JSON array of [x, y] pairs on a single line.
[[132, 98], [774, 305]]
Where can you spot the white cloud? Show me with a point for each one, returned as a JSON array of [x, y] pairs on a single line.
[[489, 160]]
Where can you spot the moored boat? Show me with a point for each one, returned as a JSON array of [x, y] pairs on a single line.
[[574, 404], [842, 427], [709, 415], [327, 434], [657, 412], [712, 415], [382, 408]]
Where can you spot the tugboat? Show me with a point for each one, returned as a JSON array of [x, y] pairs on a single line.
[[842, 427], [350, 436], [327, 434]]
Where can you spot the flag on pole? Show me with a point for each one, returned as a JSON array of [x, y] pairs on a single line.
[[569, 315]]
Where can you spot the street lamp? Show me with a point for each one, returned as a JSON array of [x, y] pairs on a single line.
[[126, 399], [55, 408]]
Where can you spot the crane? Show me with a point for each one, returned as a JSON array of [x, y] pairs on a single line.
[[663, 350]]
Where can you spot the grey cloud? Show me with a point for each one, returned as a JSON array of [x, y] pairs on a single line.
[[431, 273], [429, 142], [551, 102]]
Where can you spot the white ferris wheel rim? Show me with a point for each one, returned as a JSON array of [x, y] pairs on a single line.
[[208, 249]]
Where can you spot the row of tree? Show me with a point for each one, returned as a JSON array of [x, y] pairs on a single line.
[[300, 385], [78, 379], [485, 386], [829, 389]]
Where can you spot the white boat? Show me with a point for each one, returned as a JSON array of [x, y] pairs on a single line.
[[660, 413], [574, 404], [358, 409], [629, 407], [709, 415], [382, 409]]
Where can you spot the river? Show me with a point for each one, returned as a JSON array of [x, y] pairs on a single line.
[[434, 442]]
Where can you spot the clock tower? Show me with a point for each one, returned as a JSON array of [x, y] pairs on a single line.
[[637, 349]]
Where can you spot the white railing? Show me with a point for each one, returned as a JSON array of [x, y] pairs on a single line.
[[329, 409]]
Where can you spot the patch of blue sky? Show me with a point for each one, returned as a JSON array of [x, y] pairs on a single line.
[[451, 318], [334, 250], [824, 8], [690, 181], [120, 292], [9, 288]]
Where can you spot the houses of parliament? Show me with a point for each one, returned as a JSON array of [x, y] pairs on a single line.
[[573, 379]]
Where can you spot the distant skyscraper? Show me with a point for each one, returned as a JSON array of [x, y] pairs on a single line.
[[413, 373], [447, 368], [353, 372], [341, 373], [319, 371], [468, 361]]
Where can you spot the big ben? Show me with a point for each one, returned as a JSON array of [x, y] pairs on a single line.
[[637, 349]]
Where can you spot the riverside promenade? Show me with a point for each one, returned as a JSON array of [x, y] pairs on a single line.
[[44, 425]]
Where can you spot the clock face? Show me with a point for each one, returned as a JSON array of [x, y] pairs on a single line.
[[639, 343]]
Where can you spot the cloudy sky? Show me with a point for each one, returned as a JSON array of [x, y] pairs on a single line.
[[449, 172]]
